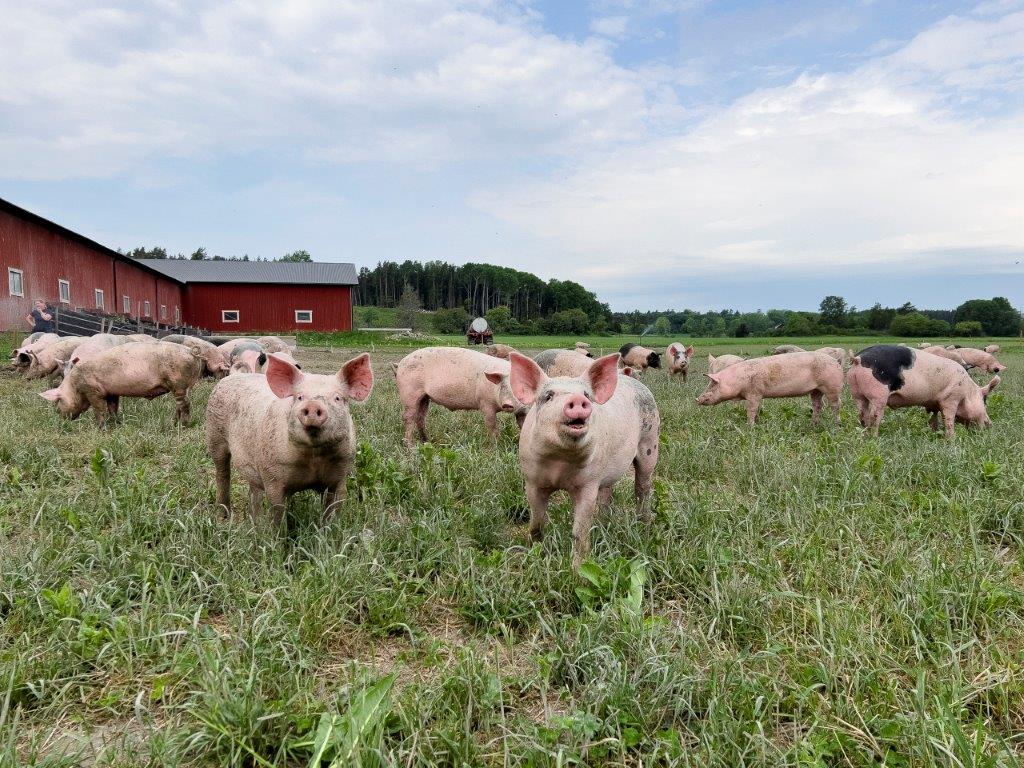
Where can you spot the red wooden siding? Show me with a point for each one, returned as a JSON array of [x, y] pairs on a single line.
[[268, 307], [45, 257]]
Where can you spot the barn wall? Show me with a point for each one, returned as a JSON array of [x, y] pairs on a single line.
[[45, 257], [268, 307], [140, 287]]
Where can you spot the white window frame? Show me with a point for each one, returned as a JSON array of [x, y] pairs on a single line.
[[64, 286], [11, 272], [146, 309], [177, 315], [126, 304], [303, 311], [163, 311], [97, 295], [224, 316]]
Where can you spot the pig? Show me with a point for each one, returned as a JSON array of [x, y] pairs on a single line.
[[838, 354], [584, 349], [139, 338], [949, 354], [562, 362], [720, 363], [228, 347], [582, 435], [286, 432], [457, 379], [128, 370], [246, 356], [273, 344], [786, 349], [94, 345], [21, 356], [639, 358], [501, 351], [992, 348], [679, 358], [786, 375], [982, 360], [215, 362], [900, 377], [50, 360]]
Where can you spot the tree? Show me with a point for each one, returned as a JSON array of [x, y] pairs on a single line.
[[833, 311], [410, 309], [156, 252], [500, 320], [742, 331], [968, 328], [296, 256], [199, 254], [663, 326], [997, 316], [568, 322], [906, 309], [879, 317], [451, 321], [916, 324], [797, 324]]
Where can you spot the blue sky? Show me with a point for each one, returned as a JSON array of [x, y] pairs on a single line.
[[665, 153]]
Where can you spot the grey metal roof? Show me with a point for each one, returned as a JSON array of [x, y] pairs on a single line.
[[292, 273]]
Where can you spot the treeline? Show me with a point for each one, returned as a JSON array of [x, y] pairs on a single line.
[[977, 317], [201, 254], [479, 289]]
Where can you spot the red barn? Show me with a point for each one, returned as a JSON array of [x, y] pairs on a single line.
[[43, 260], [274, 296]]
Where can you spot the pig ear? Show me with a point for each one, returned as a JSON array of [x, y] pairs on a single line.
[[282, 376], [604, 377], [527, 378], [357, 376], [714, 377], [494, 377], [627, 371], [689, 351], [53, 395], [991, 385], [711, 358]]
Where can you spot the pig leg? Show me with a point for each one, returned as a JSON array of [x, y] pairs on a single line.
[[113, 405], [584, 505], [684, 374], [256, 496], [275, 495], [222, 468], [604, 496], [815, 406], [643, 470], [491, 422], [538, 498], [421, 418], [835, 401], [933, 422], [949, 417], [876, 409], [335, 494], [99, 405], [415, 418], [753, 406], [183, 414]]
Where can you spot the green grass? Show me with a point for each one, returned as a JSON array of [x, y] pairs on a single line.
[[803, 596]]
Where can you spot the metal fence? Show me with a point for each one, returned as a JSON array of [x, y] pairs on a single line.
[[71, 322]]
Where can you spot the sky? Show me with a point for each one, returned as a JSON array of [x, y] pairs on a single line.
[[663, 153]]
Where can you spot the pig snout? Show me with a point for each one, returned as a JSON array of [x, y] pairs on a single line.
[[577, 410], [507, 406], [312, 415]]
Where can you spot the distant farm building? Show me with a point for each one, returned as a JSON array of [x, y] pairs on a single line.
[[43, 260]]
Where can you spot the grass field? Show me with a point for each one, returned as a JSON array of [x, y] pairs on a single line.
[[803, 596]]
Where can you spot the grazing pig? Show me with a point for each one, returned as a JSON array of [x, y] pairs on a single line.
[[840, 355], [720, 363], [273, 344], [96, 344], [992, 348], [582, 435], [457, 379], [215, 362], [501, 351], [246, 357], [128, 370], [21, 356], [639, 358], [562, 362], [949, 354], [984, 361], [50, 360], [286, 432], [787, 375], [228, 347], [679, 358], [786, 349], [900, 377], [584, 349]]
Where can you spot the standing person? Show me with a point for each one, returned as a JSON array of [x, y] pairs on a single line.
[[40, 318]]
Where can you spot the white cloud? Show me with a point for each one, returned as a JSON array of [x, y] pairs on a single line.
[[610, 26], [882, 168], [91, 89]]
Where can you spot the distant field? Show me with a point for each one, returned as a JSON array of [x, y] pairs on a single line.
[[804, 596]]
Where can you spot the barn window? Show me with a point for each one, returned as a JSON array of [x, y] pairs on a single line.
[[15, 282], [177, 315], [126, 304], [303, 315], [229, 315], [163, 311], [64, 291], [146, 312], [99, 298]]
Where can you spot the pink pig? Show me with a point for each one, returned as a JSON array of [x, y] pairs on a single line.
[[981, 359], [582, 435], [679, 358], [785, 375]]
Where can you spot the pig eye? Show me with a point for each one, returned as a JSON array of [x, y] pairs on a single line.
[[298, 398], [337, 398], [548, 397]]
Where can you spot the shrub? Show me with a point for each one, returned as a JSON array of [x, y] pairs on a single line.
[[916, 324], [968, 328], [501, 320], [454, 320]]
